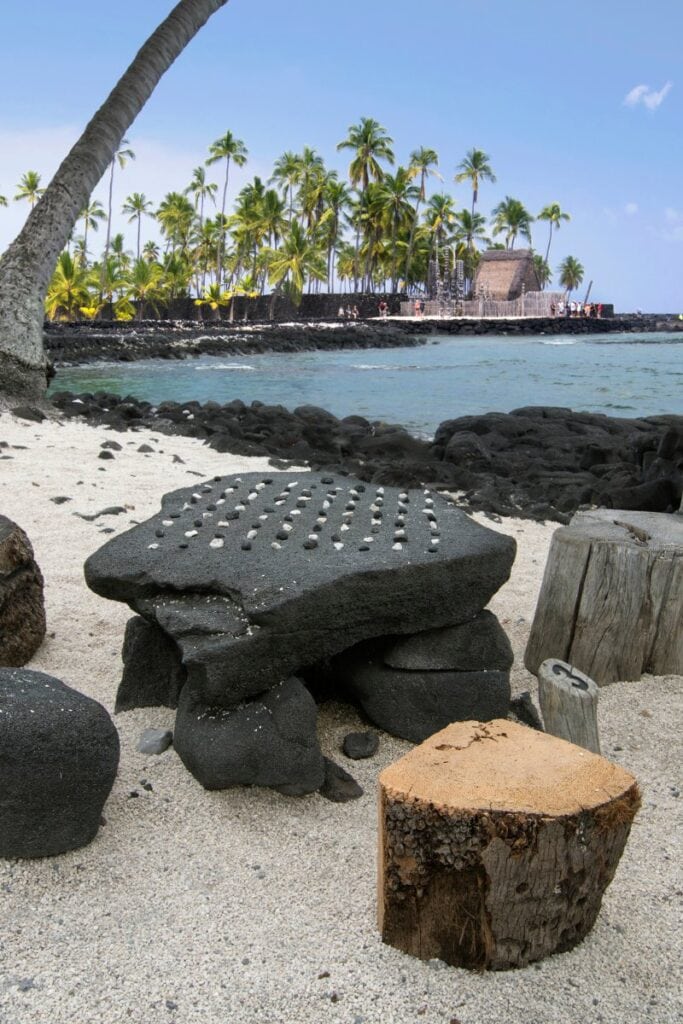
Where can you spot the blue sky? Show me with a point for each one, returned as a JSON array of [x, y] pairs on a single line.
[[541, 86]]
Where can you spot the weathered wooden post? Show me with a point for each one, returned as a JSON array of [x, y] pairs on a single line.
[[611, 601], [569, 704], [496, 844]]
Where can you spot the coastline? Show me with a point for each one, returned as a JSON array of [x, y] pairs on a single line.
[[536, 462], [272, 899], [71, 344]]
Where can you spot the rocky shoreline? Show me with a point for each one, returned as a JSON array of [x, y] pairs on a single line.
[[540, 463], [71, 344]]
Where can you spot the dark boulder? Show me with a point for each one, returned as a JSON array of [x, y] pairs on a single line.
[[22, 606], [481, 644], [266, 742], [153, 672], [414, 705], [59, 752]]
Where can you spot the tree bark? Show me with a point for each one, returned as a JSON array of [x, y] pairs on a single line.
[[26, 266], [496, 844], [611, 601], [569, 704]]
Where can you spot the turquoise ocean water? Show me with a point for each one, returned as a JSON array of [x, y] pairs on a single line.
[[618, 374]]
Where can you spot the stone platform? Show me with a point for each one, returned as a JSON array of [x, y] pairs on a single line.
[[254, 577]]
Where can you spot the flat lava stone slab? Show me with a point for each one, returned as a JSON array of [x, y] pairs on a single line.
[[256, 575]]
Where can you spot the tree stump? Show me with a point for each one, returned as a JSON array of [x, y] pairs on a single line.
[[496, 844], [611, 602], [569, 704]]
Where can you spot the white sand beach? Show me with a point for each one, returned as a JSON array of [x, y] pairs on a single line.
[[247, 906]]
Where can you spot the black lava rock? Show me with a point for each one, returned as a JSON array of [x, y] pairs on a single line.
[[59, 752], [267, 742], [359, 745], [480, 644], [338, 785], [153, 672]]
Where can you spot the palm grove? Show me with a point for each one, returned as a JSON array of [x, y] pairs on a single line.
[[305, 228]]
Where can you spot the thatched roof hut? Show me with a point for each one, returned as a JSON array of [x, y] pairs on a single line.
[[502, 273]]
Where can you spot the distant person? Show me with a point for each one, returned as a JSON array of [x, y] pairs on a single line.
[[354, 312], [560, 308], [553, 309], [416, 307], [348, 312], [422, 307], [340, 313], [383, 308], [573, 308], [599, 310], [587, 309]]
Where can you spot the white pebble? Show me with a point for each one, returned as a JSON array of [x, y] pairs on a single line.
[[397, 547], [276, 545], [338, 545], [190, 533], [252, 535], [152, 547], [217, 542]]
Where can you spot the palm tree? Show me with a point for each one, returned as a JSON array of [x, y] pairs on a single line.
[[121, 157], [91, 214], [151, 251], [286, 175], [370, 143], [337, 199], [475, 168], [29, 188], [512, 217], [175, 215], [201, 189], [68, 289], [226, 148], [571, 273], [26, 265], [297, 259], [440, 216], [144, 285], [137, 205], [469, 229], [422, 163], [311, 181], [394, 195], [543, 271], [554, 215]]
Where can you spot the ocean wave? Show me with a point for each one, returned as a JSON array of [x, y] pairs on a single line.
[[558, 343], [226, 366]]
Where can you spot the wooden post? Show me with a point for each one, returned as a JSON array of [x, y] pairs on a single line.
[[496, 844], [611, 601], [569, 704]]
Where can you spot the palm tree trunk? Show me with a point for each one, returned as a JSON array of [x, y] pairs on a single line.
[[139, 227], [550, 238], [221, 239], [26, 266]]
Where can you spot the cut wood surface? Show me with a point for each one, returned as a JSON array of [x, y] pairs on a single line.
[[569, 704], [496, 844], [611, 602]]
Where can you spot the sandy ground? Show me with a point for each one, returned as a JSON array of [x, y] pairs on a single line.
[[245, 905]]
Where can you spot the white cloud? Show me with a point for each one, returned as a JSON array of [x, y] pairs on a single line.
[[673, 231], [631, 209], [650, 98], [158, 168]]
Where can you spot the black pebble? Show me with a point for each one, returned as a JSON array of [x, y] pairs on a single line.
[[358, 745]]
